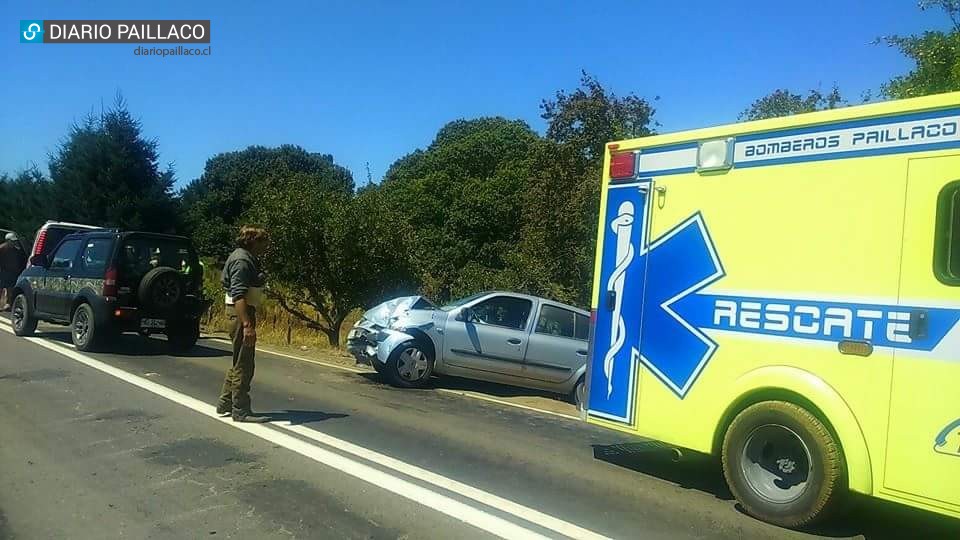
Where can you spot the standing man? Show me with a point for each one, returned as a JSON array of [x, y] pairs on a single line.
[[12, 262], [243, 282]]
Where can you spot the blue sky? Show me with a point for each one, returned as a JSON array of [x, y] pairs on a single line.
[[372, 81]]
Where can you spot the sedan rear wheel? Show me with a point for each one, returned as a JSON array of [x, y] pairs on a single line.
[[579, 394], [410, 365]]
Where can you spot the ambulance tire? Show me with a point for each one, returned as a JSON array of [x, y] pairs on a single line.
[[782, 464]]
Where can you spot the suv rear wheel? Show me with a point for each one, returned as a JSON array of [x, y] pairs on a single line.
[[22, 319], [83, 329]]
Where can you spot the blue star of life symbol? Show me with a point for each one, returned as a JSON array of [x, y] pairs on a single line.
[[637, 320], [679, 263]]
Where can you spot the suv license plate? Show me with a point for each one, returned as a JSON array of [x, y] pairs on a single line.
[[153, 323]]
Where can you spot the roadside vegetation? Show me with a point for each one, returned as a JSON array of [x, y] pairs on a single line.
[[489, 203]]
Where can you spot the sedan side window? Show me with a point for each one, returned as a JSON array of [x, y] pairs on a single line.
[[504, 311], [583, 327], [66, 253], [555, 321]]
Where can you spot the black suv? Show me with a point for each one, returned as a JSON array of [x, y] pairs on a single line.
[[103, 282]]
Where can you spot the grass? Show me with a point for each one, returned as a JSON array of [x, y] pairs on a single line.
[[275, 327]]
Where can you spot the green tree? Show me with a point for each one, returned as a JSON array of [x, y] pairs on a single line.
[[331, 252], [460, 201], [561, 202], [106, 173], [936, 55], [561, 197], [215, 204], [783, 102], [590, 116], [25, 202]]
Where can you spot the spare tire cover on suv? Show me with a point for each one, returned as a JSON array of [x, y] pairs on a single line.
[[161, 289]]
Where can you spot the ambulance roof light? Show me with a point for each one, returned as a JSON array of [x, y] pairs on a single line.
[[715, 155]]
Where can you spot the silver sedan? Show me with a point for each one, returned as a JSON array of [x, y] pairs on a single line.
[[497, 336]]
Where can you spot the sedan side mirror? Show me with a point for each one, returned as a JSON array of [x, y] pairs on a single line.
[[38, 260]]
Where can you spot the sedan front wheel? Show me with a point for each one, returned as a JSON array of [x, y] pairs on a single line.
[[410, 365]]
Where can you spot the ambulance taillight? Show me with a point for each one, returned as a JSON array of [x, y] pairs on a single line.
[[623, 165]]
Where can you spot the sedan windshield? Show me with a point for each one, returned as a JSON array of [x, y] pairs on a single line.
[[462, 301]]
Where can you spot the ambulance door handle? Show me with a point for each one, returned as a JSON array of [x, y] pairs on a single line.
[[611, 300], [919, 323], [662, 190], [661, 196]]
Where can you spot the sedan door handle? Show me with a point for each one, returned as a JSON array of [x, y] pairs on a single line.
[[581, 352], [514, 341]]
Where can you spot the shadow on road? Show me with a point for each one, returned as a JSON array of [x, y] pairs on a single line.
[[469, 385], [135, 345], [860, 517], [691, 471], [298, 418]]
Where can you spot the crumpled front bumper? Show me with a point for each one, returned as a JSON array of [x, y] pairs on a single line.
[[372, 345], [362, 345]]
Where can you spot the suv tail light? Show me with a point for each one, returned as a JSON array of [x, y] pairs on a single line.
[[41, 241], [110, 283]]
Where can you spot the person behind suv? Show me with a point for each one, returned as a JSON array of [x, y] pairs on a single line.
[[12, 262], [104, 282]]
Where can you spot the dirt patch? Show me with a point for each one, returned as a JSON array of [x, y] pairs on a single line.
[[5, 533], [124, 415], [196, 453], [281, 501], [36, 375]]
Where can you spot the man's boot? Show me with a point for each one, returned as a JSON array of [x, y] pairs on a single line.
[[249, 417]]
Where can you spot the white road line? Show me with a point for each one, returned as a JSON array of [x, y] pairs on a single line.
[[464, 393], [483, 497], [432, 499]]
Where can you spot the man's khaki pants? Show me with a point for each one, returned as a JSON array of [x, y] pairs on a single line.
[[236, 384]]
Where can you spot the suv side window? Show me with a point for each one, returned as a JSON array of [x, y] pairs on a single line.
[[96, 255], [65, 255], [505, 311], [555, 321], [946, 256]]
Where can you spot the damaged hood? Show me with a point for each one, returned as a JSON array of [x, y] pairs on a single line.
[[391, 310]]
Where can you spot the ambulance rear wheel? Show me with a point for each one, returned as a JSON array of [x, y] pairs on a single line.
[[782, 464]]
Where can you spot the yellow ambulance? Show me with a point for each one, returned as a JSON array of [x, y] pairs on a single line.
[[785, 294]]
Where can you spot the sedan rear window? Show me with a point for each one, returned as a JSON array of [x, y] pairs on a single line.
[[555, 321]]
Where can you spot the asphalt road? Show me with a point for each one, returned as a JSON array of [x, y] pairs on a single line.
[[126, 445]]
